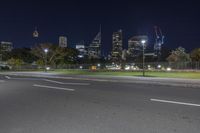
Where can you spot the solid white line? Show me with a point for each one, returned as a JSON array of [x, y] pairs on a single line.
[[57, 82], [175, 102], [7, 77], [52, 87]]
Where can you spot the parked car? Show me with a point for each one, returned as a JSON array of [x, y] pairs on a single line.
[[5, 67]]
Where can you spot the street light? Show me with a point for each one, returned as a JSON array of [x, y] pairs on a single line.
[[143, 56], [46, 51]]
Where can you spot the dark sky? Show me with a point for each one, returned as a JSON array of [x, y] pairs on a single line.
[[80, 20]]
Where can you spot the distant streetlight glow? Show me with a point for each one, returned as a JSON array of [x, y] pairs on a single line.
[[169, 69], [159, 66], [48, 68], [143, 42], [46, 50]]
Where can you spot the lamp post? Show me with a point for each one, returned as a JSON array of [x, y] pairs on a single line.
[[143, 57], [46, 51]]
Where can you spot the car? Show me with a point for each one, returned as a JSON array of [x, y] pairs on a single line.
[[5, 67]]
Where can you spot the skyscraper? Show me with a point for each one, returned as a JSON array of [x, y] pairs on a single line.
[[81, 49], [117, 45], [6, 46], [135, 46], [94, 50], [63, 41]]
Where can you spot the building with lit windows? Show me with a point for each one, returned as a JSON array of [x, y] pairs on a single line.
[[117, 43], [135, 46], [6, 46], [94, 49]]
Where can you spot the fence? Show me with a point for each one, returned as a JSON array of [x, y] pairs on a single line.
[[117, 66]]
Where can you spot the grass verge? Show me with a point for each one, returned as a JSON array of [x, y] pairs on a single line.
[[174, 74]]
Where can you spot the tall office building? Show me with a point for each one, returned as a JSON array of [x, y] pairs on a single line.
[[117, 45], [6, 46], [135, 46], [63, 41], [81, 49], [94, 50]]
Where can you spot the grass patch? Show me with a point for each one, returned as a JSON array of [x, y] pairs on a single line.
[[190, 75]]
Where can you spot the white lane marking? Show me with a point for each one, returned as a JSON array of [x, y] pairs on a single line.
[[7, 77], [52, 87], [175, 102], [26, 78], [57, 82]]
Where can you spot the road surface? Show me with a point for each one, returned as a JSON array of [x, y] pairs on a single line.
[[48, 105]]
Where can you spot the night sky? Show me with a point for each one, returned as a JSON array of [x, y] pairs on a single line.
[[80, 20]]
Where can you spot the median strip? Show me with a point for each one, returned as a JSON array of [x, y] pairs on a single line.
[[52, 87], [57, 82], [175, 102]]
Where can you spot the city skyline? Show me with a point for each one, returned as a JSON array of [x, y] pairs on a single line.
[[80, 21]]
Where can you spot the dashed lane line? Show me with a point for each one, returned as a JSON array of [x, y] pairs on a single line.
[[53, 87], [57, 82], [175, 102]]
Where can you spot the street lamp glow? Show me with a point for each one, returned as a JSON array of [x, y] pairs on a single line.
[[48, 68], [143, 42], [46, 50], [169, 69], [159, 66]]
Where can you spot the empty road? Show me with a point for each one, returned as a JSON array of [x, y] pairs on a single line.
[[43, 105]]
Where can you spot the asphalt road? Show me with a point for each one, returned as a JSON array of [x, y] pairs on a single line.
[[41, 105]]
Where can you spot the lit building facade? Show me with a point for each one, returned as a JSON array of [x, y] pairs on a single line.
[[6, 46], [94, 50], [82, 50], [117, 43], [135, 46]]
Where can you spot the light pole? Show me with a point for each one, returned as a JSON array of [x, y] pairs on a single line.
[[143, 57], [46, 51]]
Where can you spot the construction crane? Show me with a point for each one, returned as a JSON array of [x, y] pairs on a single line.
[[159, 41]]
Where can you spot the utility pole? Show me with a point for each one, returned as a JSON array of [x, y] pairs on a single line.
[[143, 57], [46, 52]]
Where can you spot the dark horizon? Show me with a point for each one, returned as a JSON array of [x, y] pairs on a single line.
[[80, 20]]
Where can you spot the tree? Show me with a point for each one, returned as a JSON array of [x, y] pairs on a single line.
[[56, 55], [40, 63], [24, 54], [195, 54], [179, 55], [165, 52], [15, 63], [5, 55]]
